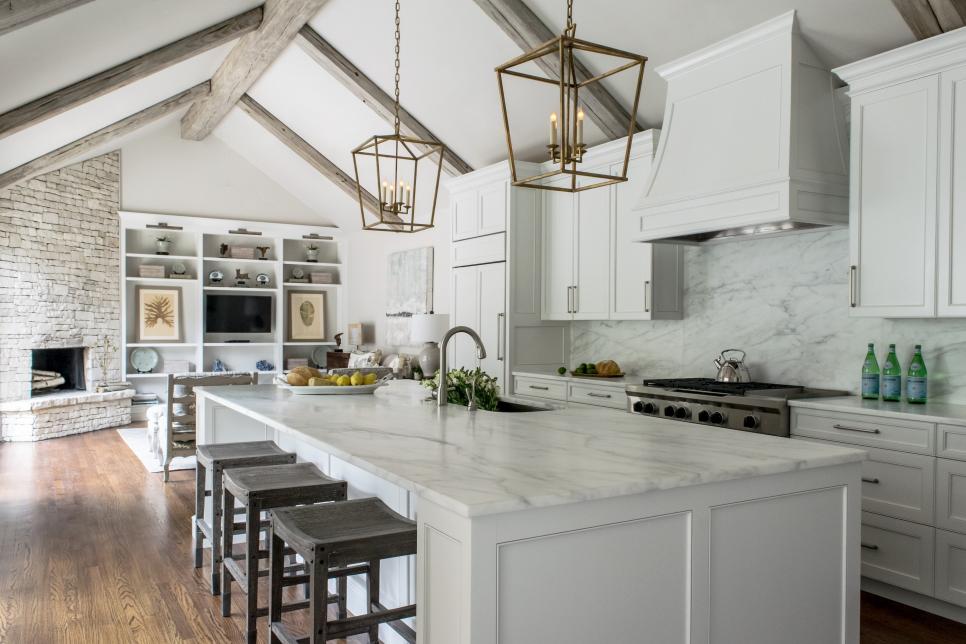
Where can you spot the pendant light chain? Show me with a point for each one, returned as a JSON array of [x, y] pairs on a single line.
[[396, 107], [571, 27]]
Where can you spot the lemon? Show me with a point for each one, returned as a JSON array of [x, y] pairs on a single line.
[[357, 379], [343, 381], [370, 379]]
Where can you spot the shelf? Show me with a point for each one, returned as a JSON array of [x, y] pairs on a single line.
[[156, 256], [310, 284], [321, 264], [239, 259], [324, 343], [257, 289], [163, 280], [134, 345], [240, 344], [145, 375]]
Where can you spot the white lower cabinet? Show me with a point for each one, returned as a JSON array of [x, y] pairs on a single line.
[[899, 485], [951, 567], [540, 388], [598, 396], [951, 495], [897, 552]]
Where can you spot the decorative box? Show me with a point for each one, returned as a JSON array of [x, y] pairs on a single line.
[[243, 252], [321, 278], [151, 270]]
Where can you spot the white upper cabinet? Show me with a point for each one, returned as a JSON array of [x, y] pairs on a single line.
[[906, 216], [592, 270], [893, 210], [480, 210]]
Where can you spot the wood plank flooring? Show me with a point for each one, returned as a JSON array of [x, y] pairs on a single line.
[[94, 549]]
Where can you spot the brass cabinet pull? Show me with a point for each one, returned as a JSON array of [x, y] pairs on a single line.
[[540, 388], [856, 429], [596, 395]]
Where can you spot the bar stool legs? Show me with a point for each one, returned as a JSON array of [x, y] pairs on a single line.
[[198, 539], [372, 583]]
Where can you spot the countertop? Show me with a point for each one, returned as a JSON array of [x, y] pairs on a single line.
[[478, 463], [619, 383], [934, 412]]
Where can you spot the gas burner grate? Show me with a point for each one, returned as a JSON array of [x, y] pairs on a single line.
[[711, 385]]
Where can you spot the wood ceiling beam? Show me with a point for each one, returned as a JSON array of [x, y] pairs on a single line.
[[525, 29], [309, 154], [127, 72], [61, 155], [928, 18], [15, 14], [352, 78], [247, 61]]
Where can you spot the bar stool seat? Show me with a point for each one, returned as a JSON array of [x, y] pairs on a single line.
[[333, 536], [259, 489], [219, 457]]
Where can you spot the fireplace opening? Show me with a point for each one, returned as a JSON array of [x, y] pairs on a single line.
[[57, 370]]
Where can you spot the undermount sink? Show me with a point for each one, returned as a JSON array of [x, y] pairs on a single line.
[[510, 406]]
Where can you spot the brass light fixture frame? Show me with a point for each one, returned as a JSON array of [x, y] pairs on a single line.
[[566, 160], [397, 215]]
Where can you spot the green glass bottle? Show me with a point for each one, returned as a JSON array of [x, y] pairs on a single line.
[[916, 378], [870, 375], [892, 377]]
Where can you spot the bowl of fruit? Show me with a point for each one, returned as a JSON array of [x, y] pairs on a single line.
[[602, 369], [309, 381]]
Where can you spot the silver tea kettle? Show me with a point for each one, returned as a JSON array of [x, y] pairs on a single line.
[[732, 369]]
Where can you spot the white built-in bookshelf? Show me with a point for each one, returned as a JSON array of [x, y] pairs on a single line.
[[196, 243]]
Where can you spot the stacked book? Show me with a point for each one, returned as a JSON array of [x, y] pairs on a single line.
[[113, 386]]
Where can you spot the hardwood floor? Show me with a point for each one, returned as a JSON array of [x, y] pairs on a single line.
[[94, 549]]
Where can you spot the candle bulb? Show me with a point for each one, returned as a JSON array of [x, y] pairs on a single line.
[[385, 192], [401, 191], [553, 128], [392, 193], [409, 195], [580, 127]]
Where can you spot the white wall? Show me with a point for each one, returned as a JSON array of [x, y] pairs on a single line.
[[161, 172], [784, 300]]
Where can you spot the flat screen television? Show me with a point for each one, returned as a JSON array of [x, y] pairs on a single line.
[[238, 313]]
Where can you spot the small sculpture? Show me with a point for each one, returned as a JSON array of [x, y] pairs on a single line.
[[311, 253], [264, 365], [163, 245], [224, 249], [218, 366], [215, 277], [262, 279], [241, 279], [263, 251], [338, 342]]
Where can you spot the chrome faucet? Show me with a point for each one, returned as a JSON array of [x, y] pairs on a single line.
[[480, 353]]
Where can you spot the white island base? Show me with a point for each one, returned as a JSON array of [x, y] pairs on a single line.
[[763, 559]]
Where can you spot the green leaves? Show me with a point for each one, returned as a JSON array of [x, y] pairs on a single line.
[[460, 386]]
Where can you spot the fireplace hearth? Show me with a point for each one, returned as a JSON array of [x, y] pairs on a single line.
[[56, 370]]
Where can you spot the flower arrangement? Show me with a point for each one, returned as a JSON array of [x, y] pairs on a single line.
[[461, 384]]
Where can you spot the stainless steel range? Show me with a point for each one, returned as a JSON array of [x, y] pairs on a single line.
[[749, 406]]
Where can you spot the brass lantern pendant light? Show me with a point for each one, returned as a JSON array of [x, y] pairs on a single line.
[[566, 146], [395, 162]]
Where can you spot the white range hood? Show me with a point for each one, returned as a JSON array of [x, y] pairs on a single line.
[[755, 142]]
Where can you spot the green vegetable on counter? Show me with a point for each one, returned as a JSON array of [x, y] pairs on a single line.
[[459, 386], [562, 370]]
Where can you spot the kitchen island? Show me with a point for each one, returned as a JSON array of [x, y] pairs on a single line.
[[571, 526]]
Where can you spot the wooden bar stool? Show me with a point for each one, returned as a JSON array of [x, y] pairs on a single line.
[[332, 536], [259, 489], [218, 458]]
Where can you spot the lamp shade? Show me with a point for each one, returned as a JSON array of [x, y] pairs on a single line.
[[428, 327]]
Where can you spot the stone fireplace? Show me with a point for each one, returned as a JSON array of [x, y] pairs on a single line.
[[60, 302]]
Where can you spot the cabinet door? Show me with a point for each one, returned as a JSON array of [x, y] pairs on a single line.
[[591, 300], [492, 209], [892, 216], [897, 552], [466, 220], [466, 312], [951, 567], [558, 255], [952, 194], [492, 322], [951, 495], [633, 291]]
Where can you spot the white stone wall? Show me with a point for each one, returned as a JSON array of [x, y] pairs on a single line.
[[59, 269]]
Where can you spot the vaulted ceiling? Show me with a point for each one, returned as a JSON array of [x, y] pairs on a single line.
[[449, 51]]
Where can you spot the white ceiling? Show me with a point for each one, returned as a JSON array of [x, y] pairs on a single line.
[[449, 51]]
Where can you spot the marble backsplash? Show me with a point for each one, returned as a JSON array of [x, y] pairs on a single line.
[[784, 300]]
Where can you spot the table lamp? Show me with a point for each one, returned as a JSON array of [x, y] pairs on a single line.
[[429, 328]]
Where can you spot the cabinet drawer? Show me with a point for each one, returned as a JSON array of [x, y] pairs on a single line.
[[600, 396], [951, 567], [951, 495], [898, 552], [952, 442], [899, 485], [865, 429], [480, 250], [540, 388]]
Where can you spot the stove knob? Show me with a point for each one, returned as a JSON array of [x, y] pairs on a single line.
[[683, 413], [638, 407], [669, 411], [751, 422], [703, 416], [650, 408], [718, 418]]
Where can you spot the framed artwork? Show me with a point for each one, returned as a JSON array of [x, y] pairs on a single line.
[[355, 333], [409, 290], [159, 314], [306, 316]]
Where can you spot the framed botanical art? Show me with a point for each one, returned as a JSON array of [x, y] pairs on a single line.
[[306, 316], [159, 314]]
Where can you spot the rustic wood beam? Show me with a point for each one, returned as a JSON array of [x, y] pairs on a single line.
[[928, 18], [309, 154], [525, 29], [127, 72], [245, 63], [352, 78], [15, 14], [58, 157]]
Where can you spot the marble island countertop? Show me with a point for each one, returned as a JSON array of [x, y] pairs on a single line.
[[478, 463]]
